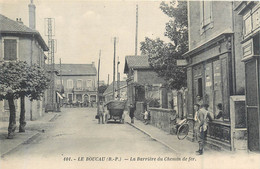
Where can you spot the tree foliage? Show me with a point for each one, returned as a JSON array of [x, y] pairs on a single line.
[[22, 80], [163, 56], [102, 89]]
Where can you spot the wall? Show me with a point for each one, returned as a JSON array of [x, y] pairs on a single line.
[[139, 110], [222, 20], [148, 77], [160, 118], [238, 54]]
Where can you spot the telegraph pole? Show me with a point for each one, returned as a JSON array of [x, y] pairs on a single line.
[[136, 31], [108, 79], [98, 81], [118, 79], [114, 63]]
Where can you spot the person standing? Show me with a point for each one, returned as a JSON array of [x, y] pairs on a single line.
[[203, 116], [199, 100], [196, 121], [101, 113], [132, 112]]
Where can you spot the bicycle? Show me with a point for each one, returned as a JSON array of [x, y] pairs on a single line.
[[183, 129]]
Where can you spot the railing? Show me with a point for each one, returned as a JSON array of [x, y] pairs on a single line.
[[219, 131]]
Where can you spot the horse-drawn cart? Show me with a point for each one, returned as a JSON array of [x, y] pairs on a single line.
[[116, 110]]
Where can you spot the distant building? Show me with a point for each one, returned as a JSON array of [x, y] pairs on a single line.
[[79, 82], [19, 42]]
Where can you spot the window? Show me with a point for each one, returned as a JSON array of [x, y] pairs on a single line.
[[206, 15], [70, 84], [200, 87], [58, 81], [10, 49], [89, 83], [79, 83]]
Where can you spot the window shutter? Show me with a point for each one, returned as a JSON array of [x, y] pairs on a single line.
[[207, 12], [201, 14], [10, 49]]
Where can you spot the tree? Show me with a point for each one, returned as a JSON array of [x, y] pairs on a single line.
[[19, 80], [35, 83], [163, 56], [102, 89]]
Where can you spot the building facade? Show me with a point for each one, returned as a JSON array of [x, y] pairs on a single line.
[[250, 11], [79, 82], [142, 80], [214, 68], [21, 43]]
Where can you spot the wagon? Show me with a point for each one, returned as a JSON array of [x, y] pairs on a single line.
[[116, 110]]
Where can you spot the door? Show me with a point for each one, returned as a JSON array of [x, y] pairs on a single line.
[[252, 103]]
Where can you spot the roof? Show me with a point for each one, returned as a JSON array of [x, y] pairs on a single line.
[[77, 69], [110, 87], [9, 26], [136, 62]]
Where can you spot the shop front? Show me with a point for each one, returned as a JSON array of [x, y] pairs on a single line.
[[209, 74]]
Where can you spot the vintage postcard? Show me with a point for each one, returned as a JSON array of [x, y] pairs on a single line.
[[129, 84]]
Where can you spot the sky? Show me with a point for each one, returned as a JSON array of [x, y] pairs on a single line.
[[83, 28]]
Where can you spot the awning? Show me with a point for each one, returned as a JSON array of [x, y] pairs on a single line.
[[59, 95]]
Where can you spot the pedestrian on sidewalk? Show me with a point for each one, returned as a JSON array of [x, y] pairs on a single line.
[[132, 112], [203, 116], [101, 112], [146, 117], [196, 121]]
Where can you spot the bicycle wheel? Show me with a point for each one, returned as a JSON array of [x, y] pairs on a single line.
[[183, 131]]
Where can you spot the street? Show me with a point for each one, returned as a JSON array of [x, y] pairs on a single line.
[[76, 133]]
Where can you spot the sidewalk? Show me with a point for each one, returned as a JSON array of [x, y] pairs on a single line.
[[180, 147], [32, 131]]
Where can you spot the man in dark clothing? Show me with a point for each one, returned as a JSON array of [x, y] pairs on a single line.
[[132, 112]]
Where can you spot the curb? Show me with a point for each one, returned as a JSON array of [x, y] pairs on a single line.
[[28, 140], [155, 139]]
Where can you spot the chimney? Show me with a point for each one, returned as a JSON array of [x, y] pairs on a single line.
[[32, 20], [19, 20]]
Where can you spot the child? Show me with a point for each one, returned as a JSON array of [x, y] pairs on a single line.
[[146, 114]]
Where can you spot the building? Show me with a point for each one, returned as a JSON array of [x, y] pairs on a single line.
[[140, 77], [79, 82], [250, 10], [108, 94], [143, 84], [19, 42], [215, 71]]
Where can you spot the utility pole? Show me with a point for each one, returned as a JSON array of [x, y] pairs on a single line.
[[60, 73], [118, 79], [114, 62], [136, 31], [98, 82], [107, 79]]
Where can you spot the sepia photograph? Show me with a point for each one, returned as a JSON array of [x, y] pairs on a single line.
[[118, 84]]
